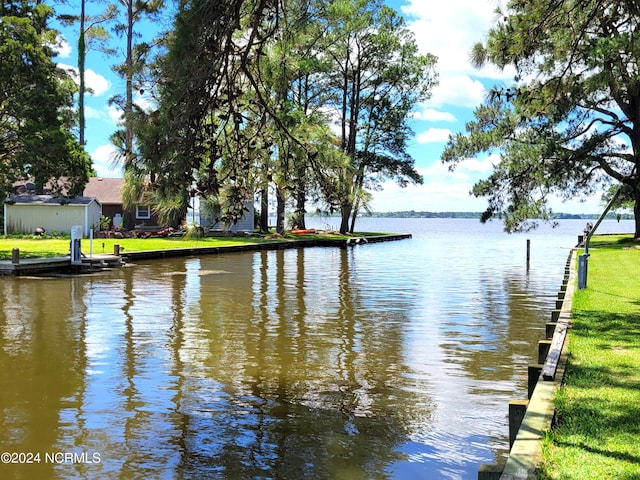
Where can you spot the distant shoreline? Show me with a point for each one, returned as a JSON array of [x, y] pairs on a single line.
[[474, 215]]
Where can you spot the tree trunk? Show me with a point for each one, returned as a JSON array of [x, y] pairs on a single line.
[[301, 200], [636, 213], [354, 215], [128, 107], [280, 210], [345, 214], [264, 209]]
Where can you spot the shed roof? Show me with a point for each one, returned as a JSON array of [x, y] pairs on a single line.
[[52, 200]]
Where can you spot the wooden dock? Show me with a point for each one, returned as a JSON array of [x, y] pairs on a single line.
[[56, 265]]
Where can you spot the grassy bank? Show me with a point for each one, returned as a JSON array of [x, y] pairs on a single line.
[[45, 247], [598, 409]]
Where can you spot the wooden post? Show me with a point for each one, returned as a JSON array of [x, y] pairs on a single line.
[[490, 472], [543, 350], [533, 375], [528, 252], [555, 315], [116, 249], [517, 410], [550, 328], [15, 256]]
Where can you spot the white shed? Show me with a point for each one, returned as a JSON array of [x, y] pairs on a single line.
[[244, 224], [25, 213]]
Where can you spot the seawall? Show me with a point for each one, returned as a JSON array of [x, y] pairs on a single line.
[[253, 247], [531, 418], [62, 264]]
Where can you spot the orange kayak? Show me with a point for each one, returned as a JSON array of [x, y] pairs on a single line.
[[303, 231]]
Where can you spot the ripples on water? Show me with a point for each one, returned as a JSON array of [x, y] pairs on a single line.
[[394, 360]]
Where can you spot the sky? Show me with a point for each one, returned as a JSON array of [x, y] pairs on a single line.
[[446, 29]]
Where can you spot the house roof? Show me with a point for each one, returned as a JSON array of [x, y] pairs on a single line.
[[55, 186], [107, 190], [52, 200]]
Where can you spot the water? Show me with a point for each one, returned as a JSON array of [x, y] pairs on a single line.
[[384, 361]]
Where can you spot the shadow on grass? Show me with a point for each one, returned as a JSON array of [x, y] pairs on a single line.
[[598, 413], [622, 456], [622, 330], [614, 241]]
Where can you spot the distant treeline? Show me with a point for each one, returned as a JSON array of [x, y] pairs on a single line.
[[557, 216]]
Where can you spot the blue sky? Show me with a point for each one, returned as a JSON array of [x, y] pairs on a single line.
[[445, 29]]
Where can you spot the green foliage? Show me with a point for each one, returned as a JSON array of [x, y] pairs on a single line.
[[568, 125], [36, 99], [105, 222]]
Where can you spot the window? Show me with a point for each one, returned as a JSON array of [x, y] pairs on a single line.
[[143, 211]]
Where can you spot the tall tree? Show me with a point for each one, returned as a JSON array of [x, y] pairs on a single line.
[[135, 55], [291, 81], [379, 77], [36, 104], [570, 123]]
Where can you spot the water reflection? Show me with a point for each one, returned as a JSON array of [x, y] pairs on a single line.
[[304, 384], [382, 361]]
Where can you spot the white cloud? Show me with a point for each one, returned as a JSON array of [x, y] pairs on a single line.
[[457, 90], [437, 194], [479, 165], [90, 112], [62, 47], [145, 102], [450, 29], [445, 190], [442, 190], [434, 135], [469, 170], [115, 113], [432, 115], [97, 84], [103, 161], [72, 71]]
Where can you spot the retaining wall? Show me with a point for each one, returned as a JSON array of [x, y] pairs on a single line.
[[531, 418]]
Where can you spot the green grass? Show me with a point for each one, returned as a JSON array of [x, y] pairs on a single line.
[[598, 408], [46, 247]]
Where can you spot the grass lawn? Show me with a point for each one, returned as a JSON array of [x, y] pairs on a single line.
[[598, 408], [39, 247]]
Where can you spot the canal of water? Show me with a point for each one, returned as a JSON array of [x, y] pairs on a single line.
[[383, 361]]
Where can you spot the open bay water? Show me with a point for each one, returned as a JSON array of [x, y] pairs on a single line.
[[394, 360]]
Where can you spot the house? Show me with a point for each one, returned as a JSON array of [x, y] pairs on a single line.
[[245, 224], [109, 192], [25, 213]]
